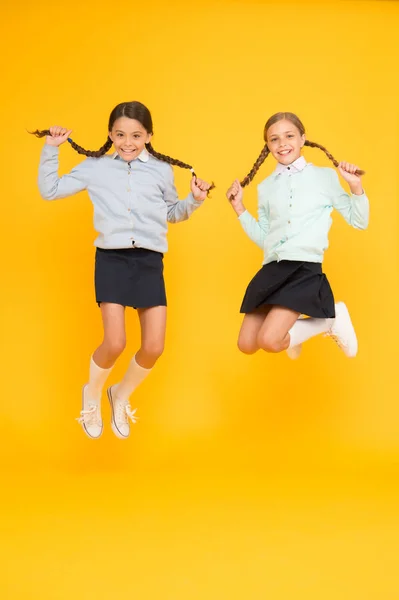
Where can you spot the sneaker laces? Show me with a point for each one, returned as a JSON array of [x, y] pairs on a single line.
[[123, 412], [90, 416], [341, 343], [131, 413]]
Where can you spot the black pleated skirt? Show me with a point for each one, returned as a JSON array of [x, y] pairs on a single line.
[[299, 286], [130, 277]]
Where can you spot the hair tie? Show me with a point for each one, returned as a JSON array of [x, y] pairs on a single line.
[[70, 140]]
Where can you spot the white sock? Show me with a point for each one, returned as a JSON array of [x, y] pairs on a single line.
[[132, 379], [97, 379], [304, 329]]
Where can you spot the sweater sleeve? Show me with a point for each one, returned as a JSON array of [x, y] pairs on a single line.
[[53, 187], [354, 208]]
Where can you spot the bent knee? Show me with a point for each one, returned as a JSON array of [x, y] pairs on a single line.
[[247, 346], [115, 346], [153, 351], [270, 343]]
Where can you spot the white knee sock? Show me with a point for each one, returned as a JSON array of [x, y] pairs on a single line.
[[304, 329], [97, 379], [132, 379]]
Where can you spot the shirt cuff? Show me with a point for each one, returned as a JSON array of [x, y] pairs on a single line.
[[191, 200], [244, 216]]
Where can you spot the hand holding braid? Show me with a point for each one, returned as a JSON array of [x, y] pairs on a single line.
[[351, 173], [55, 136]]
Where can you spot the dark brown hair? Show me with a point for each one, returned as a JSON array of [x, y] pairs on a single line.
[[265, 151], [132, 110]]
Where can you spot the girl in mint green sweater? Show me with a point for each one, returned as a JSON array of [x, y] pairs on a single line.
[[294, 217]]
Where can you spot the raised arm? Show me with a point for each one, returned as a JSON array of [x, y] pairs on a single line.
[[52, 186], [354, 207]]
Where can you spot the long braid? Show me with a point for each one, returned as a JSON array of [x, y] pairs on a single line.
[[108, 144], [329, 155], [168, 159], [92, 153], [172, 161], [265, 152], [257, 164]]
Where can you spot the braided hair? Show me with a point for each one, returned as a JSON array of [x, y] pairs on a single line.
[[132, 110], [265, 151], [91, 153]]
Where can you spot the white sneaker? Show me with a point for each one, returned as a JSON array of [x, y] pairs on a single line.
[[343, 332], [121, 413], [294, 352], [90, 416]]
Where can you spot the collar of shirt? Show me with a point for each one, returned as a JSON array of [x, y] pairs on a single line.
[[143, 156], [298, 165]]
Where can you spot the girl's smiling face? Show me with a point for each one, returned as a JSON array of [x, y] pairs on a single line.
[[129, 138], [285, 141]]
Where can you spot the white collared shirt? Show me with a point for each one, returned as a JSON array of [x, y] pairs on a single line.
[[298, 165], [143, 156]]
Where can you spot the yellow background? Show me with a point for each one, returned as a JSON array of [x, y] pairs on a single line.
[[247, 477]]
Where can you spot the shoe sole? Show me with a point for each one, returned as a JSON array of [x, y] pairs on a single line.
[[113, 424], [92, 437]]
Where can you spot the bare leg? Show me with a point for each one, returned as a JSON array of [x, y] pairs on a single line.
[[251, 325], [153, 329], [101, 363], [274, 334], [114, 341]]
